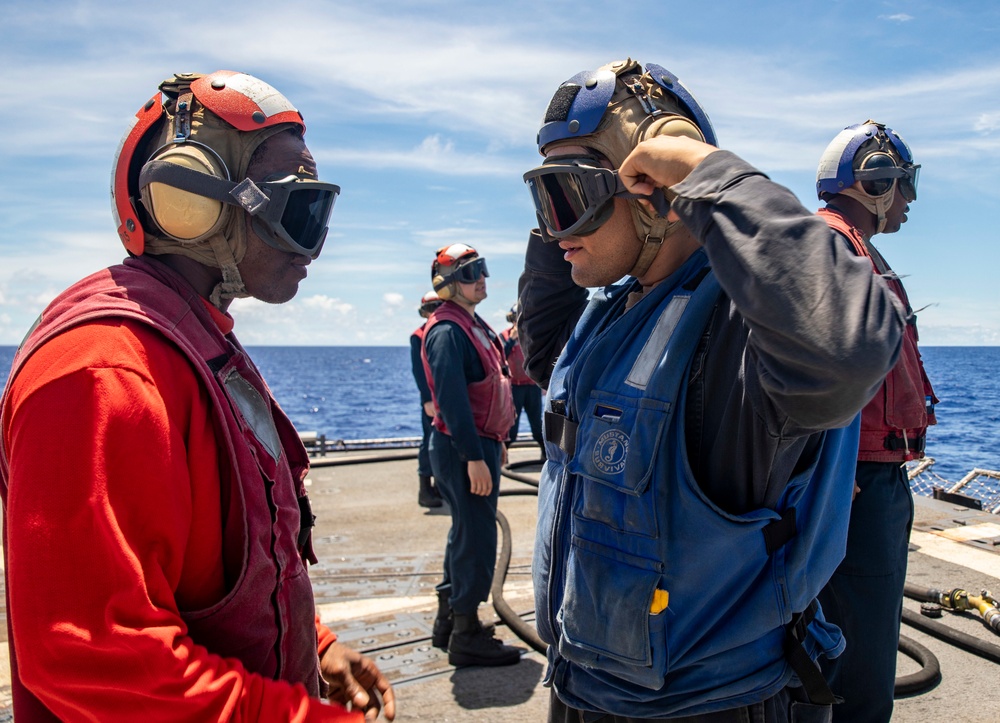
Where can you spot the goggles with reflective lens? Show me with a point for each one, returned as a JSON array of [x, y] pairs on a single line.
[[574, 195], [290, 213], [469, 273]]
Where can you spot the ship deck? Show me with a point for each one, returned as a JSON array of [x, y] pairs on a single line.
[[381, 554]]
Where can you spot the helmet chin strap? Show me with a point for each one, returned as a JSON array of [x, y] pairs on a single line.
[[231, 286], [876, 205], [659, 230]]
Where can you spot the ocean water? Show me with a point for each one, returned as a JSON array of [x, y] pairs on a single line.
[[368, 393]]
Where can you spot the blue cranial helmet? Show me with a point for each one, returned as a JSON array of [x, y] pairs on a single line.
[[582, 102], [869, 152]]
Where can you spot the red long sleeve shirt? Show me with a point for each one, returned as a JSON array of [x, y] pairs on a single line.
[[113, 527]]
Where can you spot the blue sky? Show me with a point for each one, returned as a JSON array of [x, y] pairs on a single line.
[[425, 113]]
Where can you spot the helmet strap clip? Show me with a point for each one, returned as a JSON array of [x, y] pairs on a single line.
[[182, 119], [636, 89]]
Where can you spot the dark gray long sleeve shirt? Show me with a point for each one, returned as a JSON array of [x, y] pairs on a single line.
[[801, 339], [417, 367]]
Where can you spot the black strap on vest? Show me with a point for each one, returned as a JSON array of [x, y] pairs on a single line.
[[561, 431], [809, 674], [899, 444], [778, 532], [307, 520], [217, 363]]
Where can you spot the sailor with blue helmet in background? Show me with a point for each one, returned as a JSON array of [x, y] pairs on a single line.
[[701, 422], [867, 178]]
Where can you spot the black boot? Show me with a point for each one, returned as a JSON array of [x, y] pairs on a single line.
[[472, 644], [428, 495], [444, 622]]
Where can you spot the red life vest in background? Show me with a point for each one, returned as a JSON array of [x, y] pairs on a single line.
[[515, 360], [268, 622], [894, 423], [491, 399]]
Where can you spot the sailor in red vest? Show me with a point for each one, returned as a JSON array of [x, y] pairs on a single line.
[[527, 395], [156, 563], [428, 494], [867, 178], [470, 385]]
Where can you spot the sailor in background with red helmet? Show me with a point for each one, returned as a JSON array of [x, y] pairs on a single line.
[[527, 395], [867, 178], [156, 565], [428, 494], [470, 386]]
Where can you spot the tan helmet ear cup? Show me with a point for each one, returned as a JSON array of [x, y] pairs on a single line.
[[180, 214], [444, 290], [673, 126]]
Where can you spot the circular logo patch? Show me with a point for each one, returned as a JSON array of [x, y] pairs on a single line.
[[610, 451]]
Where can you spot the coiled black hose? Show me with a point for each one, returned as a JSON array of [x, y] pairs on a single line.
[[924, 679]]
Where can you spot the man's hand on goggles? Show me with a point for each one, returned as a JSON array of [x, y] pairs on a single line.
[[573, 194]]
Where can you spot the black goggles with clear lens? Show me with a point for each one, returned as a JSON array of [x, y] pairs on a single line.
[[470, 273], [574, 195], [290, 214], [877, 181]]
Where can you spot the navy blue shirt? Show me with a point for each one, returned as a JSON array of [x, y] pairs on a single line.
[[417, 366]]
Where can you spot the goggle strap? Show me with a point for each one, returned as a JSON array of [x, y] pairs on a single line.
[[878, 174], [250, 196], [658, 200], [188, 179]]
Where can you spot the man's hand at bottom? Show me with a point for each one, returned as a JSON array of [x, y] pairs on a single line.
[[357, 683]]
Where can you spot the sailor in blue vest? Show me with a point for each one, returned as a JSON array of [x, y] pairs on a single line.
[[701, 423]]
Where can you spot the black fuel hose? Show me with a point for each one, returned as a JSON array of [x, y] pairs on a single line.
[[510, 618], [924, 679], [964, 641]]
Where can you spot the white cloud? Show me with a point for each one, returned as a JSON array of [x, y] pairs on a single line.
[[327, 304], [393, 299], [897, 18], [987, 122]]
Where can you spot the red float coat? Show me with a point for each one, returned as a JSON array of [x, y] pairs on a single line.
[[515, 359], [894, 423], [142, 456], [491, 399]]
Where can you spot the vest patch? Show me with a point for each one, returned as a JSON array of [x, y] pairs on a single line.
[[255, 412], [611, 451], [482, 338]]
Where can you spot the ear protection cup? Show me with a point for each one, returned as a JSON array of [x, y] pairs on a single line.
[[444, 290], [180, 214], [878, 186], [672, 126]]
